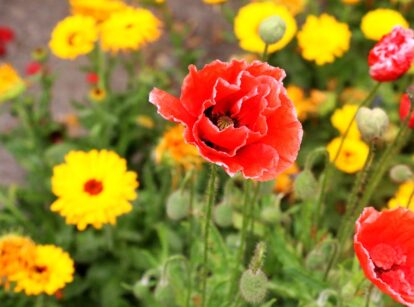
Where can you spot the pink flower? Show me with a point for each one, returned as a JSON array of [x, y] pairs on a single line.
[[392, 56]]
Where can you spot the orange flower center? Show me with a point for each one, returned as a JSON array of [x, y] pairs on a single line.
[[93, 187], [40, 269]]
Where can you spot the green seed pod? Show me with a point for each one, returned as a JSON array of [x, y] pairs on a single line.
[[223, 215], [178, 205], [253, 286], [141, 289], [272, 29], [305, 185], [164, 293], [400, 173], [372, 123]]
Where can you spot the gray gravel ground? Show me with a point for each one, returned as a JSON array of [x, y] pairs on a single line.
[[33, 20]]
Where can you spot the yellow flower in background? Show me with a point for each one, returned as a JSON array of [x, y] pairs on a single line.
[[375, 24], [11, 85], [323, 39], [214, 1], [52, 269], [249, 18], [173, 149], [305, 106], [93, 188], [284, 181], [294, 6], [353, 94], [129, 29], [402, 197], [351, 1], [341, 118], [16, 256], [145, 121], [352, 157], [74, 36], [97, 94], [97, 9]]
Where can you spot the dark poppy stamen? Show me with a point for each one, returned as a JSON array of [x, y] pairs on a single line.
[[224, 121]]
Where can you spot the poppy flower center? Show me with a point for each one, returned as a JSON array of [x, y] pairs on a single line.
[[386, 258], [93, 187], [40, 269], [222, 121]]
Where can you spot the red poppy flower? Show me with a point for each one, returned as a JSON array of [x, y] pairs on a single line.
[[6, 36], [92, 78], [384, 245], [238, 116], [33, 68], [392, 56], [405, 104]]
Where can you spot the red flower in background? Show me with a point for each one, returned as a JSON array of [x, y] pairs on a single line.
[[384, 245], [6, 36], [405, 104], [33, 68], [238, 116], [92, 78], [392, 56]]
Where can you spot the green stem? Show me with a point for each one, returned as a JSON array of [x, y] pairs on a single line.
[[243, 235], [368, 299], [253, 204], [329, 169], [210, 201], [190, 265], [265, 55], [383, 164], [351, 209]]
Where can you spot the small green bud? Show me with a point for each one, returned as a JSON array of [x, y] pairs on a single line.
[[372, 123], [400, 173], [223, 215], [305, 185], [272, 29], [178, 205], [253, 286], [141, 288], [40, 55], [233, 241], [164, 293]]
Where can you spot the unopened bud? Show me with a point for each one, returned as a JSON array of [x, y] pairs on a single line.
[[253, 286], [305, 185], [272, 29], [401, 173], [164, 293], [372, 123], [141, 288], [178, 205], [223, 215], [40, 54]]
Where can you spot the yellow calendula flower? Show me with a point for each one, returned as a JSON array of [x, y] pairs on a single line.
[[93, 188], [249, 18], [402, 197], [97, 94], [73, 36], [351, 1], [16, 256], [284, 181], [341, 118], [11, 85], [323, 39], [130, 29], [352, 157], [214, 1], [52, 269], [173, 149], [294, 6], [375, 24], [97, 9]]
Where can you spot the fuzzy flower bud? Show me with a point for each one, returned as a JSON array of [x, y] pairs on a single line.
[[164, 293], [253, 286], [223, 215], [272, 29], [372, 123], [305, 185], [178, 205], [400, 173]]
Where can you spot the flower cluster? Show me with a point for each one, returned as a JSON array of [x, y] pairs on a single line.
[[31, 268], [117, 26]]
